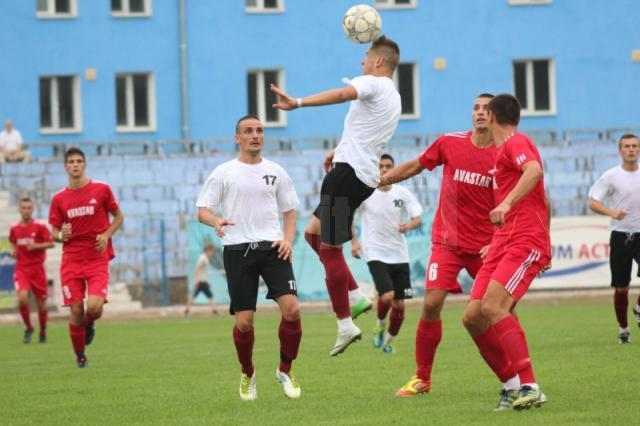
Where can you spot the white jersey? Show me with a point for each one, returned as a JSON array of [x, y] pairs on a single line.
[[10, 141], [382, 213], [250, 195], [200, 274], [368, 126], [622, 188]]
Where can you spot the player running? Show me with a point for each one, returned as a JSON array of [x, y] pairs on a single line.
[[30, 240], [79, 216], [243, 200], [385, 250], [621, 185], [460, 230], [519, 251], [372, 118]]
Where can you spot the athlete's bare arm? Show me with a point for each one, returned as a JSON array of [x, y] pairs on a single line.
[[102, 240], [356, 247], [600, 208], [289, 225], [329, 97], [412, 224], [401, 172], [61, 235], [207, 217], [531, 175]]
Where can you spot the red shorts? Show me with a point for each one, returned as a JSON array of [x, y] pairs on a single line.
[[79, 277], [446, 263], [513, 267], [32, 278]]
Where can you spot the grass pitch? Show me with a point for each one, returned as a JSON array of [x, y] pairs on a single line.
[[185, 371]]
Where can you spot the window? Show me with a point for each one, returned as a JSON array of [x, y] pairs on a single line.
[[60, 104], [526, 2], [56, 8], [406, 80], [264, 6], [130, 8], [135, 102], [395, 4], [534, 86], [260, 98]]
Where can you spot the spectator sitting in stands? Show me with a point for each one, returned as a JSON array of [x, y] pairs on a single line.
[[11, 145]]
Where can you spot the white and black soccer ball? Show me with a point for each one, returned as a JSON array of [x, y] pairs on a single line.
[[362, 23]]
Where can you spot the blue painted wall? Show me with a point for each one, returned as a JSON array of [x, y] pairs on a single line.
[[591, 41]]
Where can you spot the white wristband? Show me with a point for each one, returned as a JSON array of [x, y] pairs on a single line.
[[299, 102]]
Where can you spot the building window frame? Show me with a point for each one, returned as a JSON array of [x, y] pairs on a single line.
[[125, 11], [49, 11], [261, 96], [529, 108], [54, 106], [393, 4], [259, 7], [129, 103], [415, 82]]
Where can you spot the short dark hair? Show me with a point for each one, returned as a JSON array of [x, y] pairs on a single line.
[[26, 200], [388, 49], [243, 118], [387, 157], [506, 108], [73, 151], [485, 95], [626, 136]]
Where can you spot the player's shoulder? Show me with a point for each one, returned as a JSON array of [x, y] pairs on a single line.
[[98, 184], [613, 171], [15, 226], [453, 137], [223, 168], [270, 164], [60, 193], [402, 190]]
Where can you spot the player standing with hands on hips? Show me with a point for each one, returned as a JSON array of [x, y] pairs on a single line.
[[352, 174], [621, 185], [243, 200], [79, 216]]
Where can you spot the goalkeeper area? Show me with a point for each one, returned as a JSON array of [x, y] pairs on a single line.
[[185, 371]]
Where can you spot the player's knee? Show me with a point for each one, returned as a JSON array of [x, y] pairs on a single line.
[[387, 298], [472, 320], [22, 300], [431, 308], [291, 314], [622, 290], [244, 325], [490, 310]]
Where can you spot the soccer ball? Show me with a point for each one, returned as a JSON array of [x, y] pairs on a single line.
[[362, 23]]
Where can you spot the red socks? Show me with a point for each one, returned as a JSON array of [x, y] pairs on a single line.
[[395, 321], [514, 343], [382, 309], [621, 304], [290, 334], [338, 277], [314, 241], [490, 348], [428, 338], [26, 317], [244, 348], [77, 338], [89, 319], [42, 319]]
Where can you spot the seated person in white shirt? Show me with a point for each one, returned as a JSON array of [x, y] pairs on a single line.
[[11, 149]]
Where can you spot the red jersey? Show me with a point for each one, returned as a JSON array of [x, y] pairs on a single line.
[[23, 235], [87, 210], [528, 220], [466, 195]]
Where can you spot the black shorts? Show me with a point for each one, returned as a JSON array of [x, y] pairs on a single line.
[[203, 287], [244, 264], [341, 194], [391, 277], [624, 248]]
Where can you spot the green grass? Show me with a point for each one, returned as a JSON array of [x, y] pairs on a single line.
[[185, 371]]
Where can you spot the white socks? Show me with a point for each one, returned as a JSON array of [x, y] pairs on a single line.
[[345, 324], [355, 296], [512, 384], [380, 323], [388, 338]]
